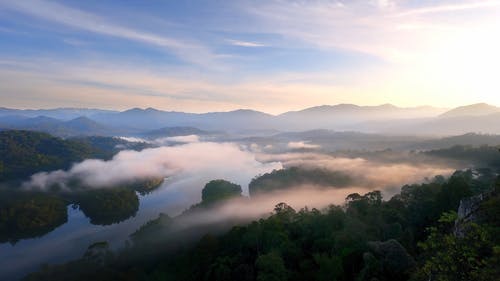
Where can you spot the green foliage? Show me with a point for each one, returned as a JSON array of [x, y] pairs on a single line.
[[110, 145], [296, 176], [151, 229], [482, 156], [387, 260], [144, 186], [365, 239], [329, 267], [28, 214], [451, 257], [24, 216], [108, 206], [23, 153], [270, 267], [219, 190]]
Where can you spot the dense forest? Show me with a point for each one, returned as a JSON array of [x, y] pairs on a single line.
[[415, 235], [26, 215], [296, 176], [23, 153], [474, 155], [31, 213], [421, 233], [108, 206]]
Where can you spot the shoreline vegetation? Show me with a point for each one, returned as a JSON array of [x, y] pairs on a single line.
[[408, 237], [35, 213], [418, 234]]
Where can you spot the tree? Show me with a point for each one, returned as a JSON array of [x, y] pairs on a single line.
[[270, 267], [329, 268], [448, 257], [219, 190]]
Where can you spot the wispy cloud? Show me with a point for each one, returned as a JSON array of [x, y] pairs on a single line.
[[67, 16], [450, 8], [323, 52], [86, 83], [245, 43], [378, 28], [101, 84]]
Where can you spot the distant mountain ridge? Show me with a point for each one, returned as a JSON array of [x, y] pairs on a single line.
[[477, 109], [385, 118], [63, 113], [174, 131], [80, 126]]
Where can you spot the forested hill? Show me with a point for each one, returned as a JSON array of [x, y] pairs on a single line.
[[23, 153], [409, 237]]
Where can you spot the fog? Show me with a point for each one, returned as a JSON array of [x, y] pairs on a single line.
[[244, 209], [187, 168], [192, 160], [165, 140], [371, 174], [301, 144], [368, 175]]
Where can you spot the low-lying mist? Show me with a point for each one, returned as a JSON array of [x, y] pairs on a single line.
[[192, 160], [371, 174], [244, 209], [189, 166], [367, 175]]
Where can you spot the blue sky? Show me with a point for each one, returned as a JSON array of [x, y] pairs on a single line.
[[269, 55]]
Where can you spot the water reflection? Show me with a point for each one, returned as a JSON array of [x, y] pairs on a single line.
[[70, 241]]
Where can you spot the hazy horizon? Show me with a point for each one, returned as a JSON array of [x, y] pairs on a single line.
[[234, 109]]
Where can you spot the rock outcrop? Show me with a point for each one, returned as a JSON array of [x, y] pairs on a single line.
[[469, 211]]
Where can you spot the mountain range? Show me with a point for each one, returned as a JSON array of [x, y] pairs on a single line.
[[386, 118]]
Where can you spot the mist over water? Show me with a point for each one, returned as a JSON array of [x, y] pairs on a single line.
[[187, 168], [192, 160]]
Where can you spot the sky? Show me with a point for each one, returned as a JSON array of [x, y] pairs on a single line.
[[267, 55]]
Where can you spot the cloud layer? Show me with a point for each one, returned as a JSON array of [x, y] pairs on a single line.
[[207, 57], [383, 176], [213, 160]]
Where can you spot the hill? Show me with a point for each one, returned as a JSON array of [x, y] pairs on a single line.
[[153, 119], [345, 116], [471, 139], [384, 119], [472, 110], [80, 126], [23, 153], [64, 114], [173, 132]]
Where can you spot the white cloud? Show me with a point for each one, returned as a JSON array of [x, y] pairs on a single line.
[[451, 7], [423, 56], [133, 139], [189, 161], [302, 145], [371, 27], [179, 139], [245, 43]]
